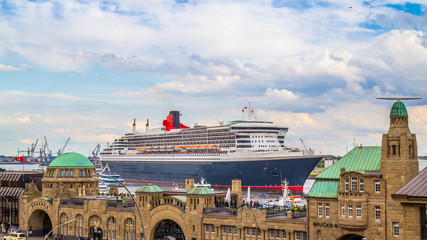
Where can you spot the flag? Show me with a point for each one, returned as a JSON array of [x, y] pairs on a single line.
[[20, 159]]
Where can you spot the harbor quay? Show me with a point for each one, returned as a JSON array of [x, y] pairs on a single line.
[[371, 193]]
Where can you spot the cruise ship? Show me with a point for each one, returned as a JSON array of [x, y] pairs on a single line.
[[250, 150]]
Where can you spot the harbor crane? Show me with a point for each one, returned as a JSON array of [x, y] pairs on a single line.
[[96, 151], [49, 152], [33, 148], [309, 151], [45, 153], [61, 151]]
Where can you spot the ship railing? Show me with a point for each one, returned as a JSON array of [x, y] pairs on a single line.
[[171, 201], [220, 211]]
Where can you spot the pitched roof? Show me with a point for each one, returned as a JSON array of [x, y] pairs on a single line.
[[360, 159], [10, 177], [149, 188], [415, 188], [365, 160], [11, 191], [324, 189], [180, 198], [200, 190]]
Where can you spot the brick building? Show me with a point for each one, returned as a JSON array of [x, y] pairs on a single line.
[[358, 197], [371, 193], [70, 193]]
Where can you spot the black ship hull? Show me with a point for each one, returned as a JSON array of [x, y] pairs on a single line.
[[252, 173]]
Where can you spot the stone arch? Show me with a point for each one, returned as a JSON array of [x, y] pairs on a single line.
[[39, 222], [162, 213], [79, 226], [111, 228], [352, 237], [64, 229], [168, 229], [94, 226], [129, 229]]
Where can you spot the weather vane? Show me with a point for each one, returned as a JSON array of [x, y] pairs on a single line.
[[398, 98]]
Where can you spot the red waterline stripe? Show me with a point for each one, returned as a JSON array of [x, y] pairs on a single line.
[[297, 188]]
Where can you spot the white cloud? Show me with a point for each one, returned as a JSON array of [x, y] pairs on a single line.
[[9, 68], [25, 119], [316, 70]]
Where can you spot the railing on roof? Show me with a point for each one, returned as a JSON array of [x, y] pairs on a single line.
[[168, 201], [75, 202], [115, 204], [221, 211], [276, 213]]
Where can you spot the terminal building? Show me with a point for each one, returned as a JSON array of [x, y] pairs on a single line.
[[371, 193]]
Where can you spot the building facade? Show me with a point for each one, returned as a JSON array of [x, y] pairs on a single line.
[[70, 197], [353, 199], [371, 193], [12, 186]]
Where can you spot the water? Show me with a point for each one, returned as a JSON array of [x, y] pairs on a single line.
[[20, 167]]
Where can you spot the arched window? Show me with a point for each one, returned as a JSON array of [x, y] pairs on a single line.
[[111, 228], [94, 219], [79, 226], [129, 229], [64, 228]]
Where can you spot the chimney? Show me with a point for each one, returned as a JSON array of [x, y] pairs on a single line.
[[147, 126], [134, 126]]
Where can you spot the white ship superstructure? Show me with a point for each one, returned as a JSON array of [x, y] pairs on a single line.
[[159, 154]]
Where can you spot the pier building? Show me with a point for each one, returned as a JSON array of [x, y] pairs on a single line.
[[371, 193], [70, 192]]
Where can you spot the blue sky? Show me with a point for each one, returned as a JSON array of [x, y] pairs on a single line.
[[86, 69]]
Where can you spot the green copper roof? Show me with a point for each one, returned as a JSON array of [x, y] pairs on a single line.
[[149, 188], [398, 109], [324, 189], [200, 190], [180, 198], [359, 159], [46, 198], [74, 160]]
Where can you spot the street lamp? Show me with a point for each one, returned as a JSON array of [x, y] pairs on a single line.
[[10, 209], [136, 204], [47, 235]]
